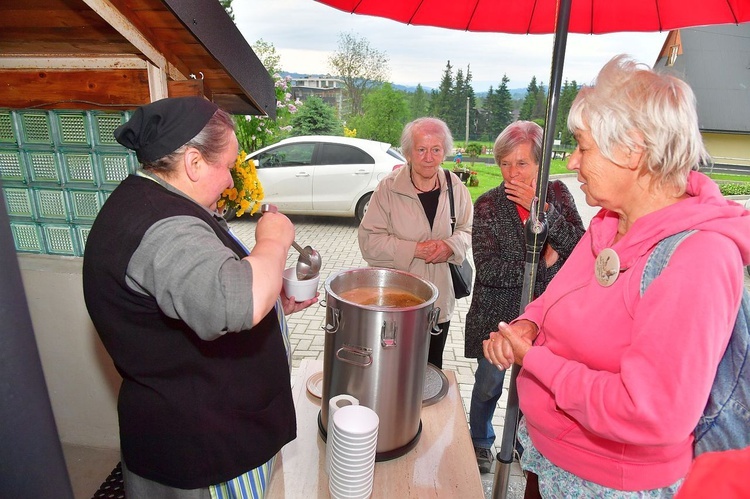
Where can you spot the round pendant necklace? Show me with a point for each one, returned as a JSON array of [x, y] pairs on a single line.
[[607, 267]]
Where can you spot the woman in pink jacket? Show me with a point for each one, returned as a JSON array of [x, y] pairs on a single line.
[[613, 383]]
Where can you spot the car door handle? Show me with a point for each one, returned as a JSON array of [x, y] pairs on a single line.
[[302, 174], [362, 172]]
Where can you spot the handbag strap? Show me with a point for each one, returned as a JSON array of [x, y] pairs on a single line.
[[450, 197]]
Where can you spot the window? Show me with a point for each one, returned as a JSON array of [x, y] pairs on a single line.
[[340, 154], [289, 155]]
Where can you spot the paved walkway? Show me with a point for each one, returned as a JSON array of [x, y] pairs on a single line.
[[336, 240]]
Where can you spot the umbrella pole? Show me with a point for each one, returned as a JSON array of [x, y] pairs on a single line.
[[535, 234]]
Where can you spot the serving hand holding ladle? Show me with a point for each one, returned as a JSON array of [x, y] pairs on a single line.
[[309, 262]]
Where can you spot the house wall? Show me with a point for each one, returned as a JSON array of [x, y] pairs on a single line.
[[81, 378], [728, 149]]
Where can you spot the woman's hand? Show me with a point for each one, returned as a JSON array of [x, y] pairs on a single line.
[[520, 193], [510, 343], [550, 255], [433, 251], [290, 306]]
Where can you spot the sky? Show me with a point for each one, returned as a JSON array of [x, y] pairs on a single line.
[[305, 33]]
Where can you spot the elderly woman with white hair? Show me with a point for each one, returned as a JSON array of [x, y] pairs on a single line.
[[408, 224], [613, 379]]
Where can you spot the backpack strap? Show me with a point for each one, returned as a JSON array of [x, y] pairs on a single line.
[[659, 258], [726, 417]]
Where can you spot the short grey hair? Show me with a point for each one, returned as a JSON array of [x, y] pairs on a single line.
[[210, 142], [515, 134], [428, 124], [634, 107]]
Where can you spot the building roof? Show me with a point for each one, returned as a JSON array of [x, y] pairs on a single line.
[[124, 53], [715, 61]]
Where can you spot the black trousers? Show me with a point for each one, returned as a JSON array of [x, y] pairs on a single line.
[[437, 345]]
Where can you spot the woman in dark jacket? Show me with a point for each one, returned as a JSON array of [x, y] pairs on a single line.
[[499, 251]]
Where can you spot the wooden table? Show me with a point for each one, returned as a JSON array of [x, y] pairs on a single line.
[[441, 465]]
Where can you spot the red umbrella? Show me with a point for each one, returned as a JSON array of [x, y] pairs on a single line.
[[540, 17]]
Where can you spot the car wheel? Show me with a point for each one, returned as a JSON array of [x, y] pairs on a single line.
[[362, 206]]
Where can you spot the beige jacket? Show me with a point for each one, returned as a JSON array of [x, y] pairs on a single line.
[[395, 221]]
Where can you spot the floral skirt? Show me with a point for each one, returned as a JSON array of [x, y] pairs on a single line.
[[555, 482]]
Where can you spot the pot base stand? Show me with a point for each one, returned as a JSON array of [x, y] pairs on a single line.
[[379, 456]]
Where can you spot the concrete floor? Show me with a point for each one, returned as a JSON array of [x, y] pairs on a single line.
[[88, 467]]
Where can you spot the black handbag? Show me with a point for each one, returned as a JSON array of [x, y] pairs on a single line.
[[461, 274]]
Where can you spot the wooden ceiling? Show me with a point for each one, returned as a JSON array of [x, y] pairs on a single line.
[[105, 54]]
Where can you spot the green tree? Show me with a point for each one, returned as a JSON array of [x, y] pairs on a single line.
[[254, 132], [268, 56], [463, 97], [500, 109], [385, 114], [456, 117], [360, 66], [419, 103], [567, 96], [227, 4], [483, 115], [472, 151], [540, 105], [315, 117], [441, 98], [529, 102], [505, 105]]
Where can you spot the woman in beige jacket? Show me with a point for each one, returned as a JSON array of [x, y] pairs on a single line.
[[407, 225]]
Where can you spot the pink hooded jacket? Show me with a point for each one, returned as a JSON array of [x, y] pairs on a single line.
[[614, 384]]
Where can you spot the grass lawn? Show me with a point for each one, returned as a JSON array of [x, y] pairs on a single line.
[[489, 177]]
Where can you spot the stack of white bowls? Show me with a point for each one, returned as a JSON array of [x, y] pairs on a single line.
[[355, 439]]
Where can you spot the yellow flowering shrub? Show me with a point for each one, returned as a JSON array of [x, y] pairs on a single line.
[[247, 192]]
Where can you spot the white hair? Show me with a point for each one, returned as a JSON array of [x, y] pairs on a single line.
[[430, 124], [634, 107]]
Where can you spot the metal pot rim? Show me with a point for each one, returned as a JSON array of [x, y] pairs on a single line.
[[427, 302]]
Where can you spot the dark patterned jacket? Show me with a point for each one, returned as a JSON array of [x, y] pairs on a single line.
[[499, 251]]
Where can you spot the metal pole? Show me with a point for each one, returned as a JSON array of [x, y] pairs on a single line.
[[31, 457], [466, 142], [535, 234]]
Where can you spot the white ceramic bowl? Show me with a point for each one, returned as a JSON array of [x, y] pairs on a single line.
[[354, 439], [300, 290], [356, 421], [354, 467], [342, 489]]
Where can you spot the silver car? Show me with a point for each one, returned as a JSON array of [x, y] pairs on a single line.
[[324, 175]]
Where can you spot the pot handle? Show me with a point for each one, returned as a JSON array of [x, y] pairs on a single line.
[[388, 335], [335, 316], [360, 352], [433, 318]]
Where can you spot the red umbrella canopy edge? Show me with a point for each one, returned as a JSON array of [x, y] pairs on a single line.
[[538, 16]]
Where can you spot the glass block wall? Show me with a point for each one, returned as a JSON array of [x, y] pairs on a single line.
[[56, 170]]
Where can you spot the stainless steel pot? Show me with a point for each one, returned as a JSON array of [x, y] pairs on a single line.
[[379, 354]]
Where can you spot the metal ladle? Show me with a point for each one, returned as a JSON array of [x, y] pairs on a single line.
[[309, 261]]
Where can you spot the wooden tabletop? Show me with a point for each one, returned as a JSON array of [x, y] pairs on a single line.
[[441, 465]]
